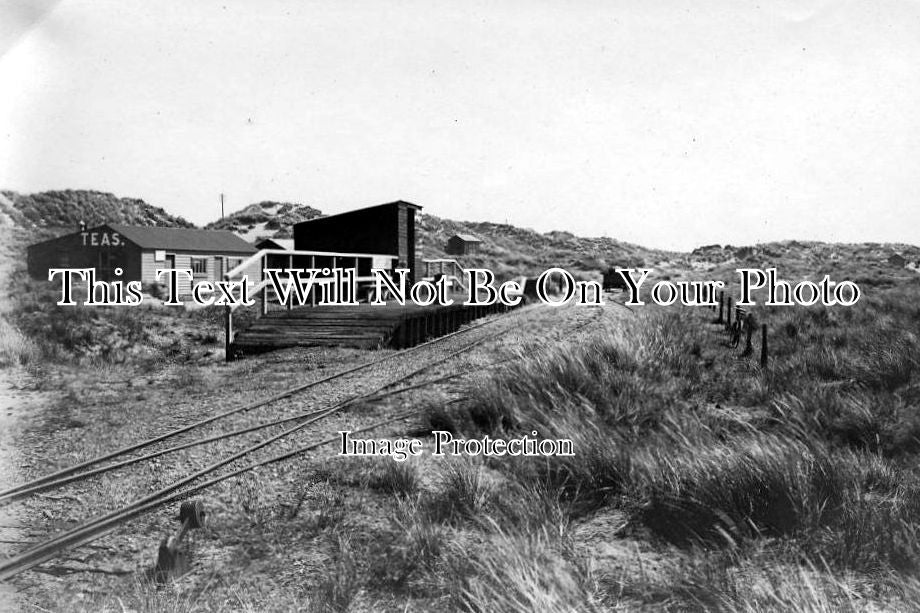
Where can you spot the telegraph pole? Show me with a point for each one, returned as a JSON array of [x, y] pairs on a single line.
[[222, 206]]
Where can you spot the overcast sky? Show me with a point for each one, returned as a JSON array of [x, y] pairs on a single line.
[[670, 124]]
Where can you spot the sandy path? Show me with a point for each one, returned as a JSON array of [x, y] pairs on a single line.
[[9, 530], [15, 405]]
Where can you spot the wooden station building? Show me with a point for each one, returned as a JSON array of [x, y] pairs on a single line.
[[140, 251], [381, 236], [386, 229]]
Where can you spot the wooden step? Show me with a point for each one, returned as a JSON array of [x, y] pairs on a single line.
[[364, 326]]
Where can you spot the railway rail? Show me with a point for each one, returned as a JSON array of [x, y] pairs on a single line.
[[64, 472], [97, 527], [42, 486]]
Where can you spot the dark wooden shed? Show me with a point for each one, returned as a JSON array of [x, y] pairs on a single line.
[[139, 251], [385, 229], [463, 244]]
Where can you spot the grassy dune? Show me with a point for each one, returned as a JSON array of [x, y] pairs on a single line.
[[700, 481], [802, 476]]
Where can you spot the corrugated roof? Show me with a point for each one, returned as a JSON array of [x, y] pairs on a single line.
[[187, 239], [468, 238]]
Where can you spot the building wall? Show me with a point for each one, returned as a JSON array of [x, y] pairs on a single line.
[[385, 230], [215, 264], [104, 250], [410, 241], [458, 246], [101, 249]]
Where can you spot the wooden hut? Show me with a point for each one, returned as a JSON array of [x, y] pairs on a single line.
[[463, 244]]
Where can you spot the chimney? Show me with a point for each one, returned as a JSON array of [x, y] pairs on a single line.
[[82, 226]]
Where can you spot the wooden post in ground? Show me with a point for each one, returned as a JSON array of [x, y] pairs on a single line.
[[763, 346], [290, 304], [264, 306], [721, 300], [312, 289], [228, 333], [728, 315]]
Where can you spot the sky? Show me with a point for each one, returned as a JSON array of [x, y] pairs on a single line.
[[668, 124]]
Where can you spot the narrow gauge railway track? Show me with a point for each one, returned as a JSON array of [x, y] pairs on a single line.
[[97, 527], [378, 394], [260, 403]]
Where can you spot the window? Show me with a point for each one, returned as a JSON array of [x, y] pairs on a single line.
[[199, 266]]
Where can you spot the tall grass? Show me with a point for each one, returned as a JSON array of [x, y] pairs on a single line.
[[38, 330], [748, 486], [519, 573], [817, 452], [16, 349]]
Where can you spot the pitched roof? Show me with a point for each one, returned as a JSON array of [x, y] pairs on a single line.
[[282, 243], [467, 237], [364, 208], [185, 239]]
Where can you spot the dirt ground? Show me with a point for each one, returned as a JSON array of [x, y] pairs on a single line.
[[84, 412], [10, 530]]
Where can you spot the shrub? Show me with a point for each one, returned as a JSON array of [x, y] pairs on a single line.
[[387, 475], [156, 290]]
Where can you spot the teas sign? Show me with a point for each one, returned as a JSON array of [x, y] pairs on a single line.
[[104, 239]]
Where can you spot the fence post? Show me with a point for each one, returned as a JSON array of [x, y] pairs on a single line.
[[763, 345], [728, 314], [721, 300]]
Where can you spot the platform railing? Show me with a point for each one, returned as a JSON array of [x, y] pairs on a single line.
[[258, 262], [447, 267]]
